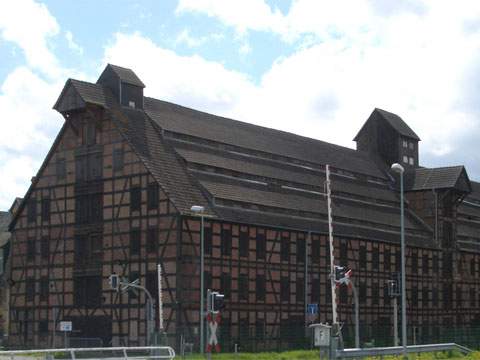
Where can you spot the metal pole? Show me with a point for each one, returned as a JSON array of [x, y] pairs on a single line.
[[202, 286], [160, 299], [357, 321], [54, 311], [305, 287], [395, 321], [330, 236], [404, 297]]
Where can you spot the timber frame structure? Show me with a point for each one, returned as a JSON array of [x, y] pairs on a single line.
[[114, 196]]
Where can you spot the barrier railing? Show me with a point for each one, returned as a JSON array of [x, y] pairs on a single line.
[[125, 353], [396, 350]]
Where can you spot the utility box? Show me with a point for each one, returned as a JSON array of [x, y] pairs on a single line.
[[321, 335]]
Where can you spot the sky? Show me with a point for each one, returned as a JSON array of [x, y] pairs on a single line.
[[312, 67]]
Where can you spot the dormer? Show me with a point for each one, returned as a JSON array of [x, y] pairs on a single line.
[[386, 135], [125, 85]]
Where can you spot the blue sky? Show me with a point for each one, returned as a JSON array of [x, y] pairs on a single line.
[[315, 68]]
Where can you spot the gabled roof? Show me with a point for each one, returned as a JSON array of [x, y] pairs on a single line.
[[395, 121], [437, 178], [125, 75]]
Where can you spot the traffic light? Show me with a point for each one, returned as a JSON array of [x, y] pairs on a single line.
[[217, 301], [339, 273], [342, 274], [114, 282]]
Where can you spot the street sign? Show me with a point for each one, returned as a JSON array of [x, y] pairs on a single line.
[[312, 309], [65, 326]]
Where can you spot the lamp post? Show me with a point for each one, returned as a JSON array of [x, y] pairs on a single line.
[[199, 211], [400, 170]]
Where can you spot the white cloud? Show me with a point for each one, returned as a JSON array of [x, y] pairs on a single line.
[[30, 25], [72, 45], [186, 38]]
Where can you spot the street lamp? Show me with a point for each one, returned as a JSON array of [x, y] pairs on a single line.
[[400, 170], [199, 211]]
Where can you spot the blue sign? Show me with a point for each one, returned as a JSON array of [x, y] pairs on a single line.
[[312, 309]]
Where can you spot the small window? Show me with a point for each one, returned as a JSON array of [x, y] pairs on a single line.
[[405, 143], [405, 159], [425, 267], [285, 249], [459, 297], [362, 296], [344, 253], [411, 161], [43, 327], [226, 242], [435, 297], [32, 210], [260, 329], [152, 240], [300, 290], [151, 283], [43, 288], [414, 263], [472, 266], [261, 246], [207, 280], [243, 241], [207, 238], [61, 169], [315, 290], [415, 296], [89, 134], [375, 258], [44, 248], [300, 250], [131, 104], [284, 289], [135, 236], [343, 294], [45, 209], [226, 285], [375, 294], [387, 260], [411, 145], [31, 249], [315, 251], [243, 287], [473, 299], [363, 257], [435, 264], [425, 297], [386, 295], [135, 198], [152, 196], [118, 160], [260, 287], [30, 289]]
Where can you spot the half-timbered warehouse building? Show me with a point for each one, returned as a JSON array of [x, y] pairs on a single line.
[[115, 192]]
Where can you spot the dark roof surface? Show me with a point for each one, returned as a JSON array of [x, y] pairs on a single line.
[[126, 75], [182, 120], [397, 123], [437, 178]]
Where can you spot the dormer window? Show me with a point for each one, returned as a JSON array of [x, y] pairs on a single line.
[[131, 104]]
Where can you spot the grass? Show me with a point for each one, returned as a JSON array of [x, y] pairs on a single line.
[[313, 355]]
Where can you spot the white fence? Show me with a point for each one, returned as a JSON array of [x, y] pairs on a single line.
[[106, 353]]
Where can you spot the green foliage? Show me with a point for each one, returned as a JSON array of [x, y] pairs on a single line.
[[313, 355]]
